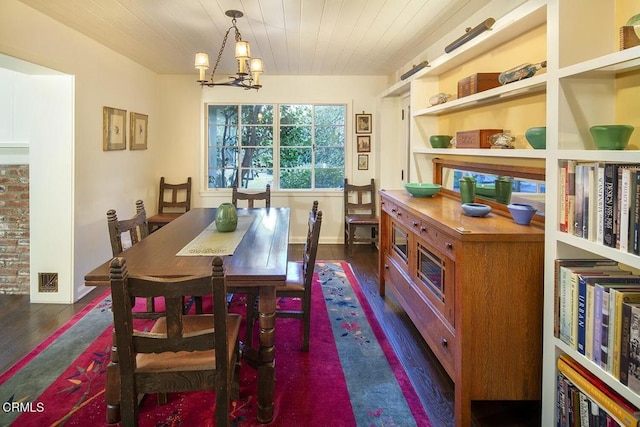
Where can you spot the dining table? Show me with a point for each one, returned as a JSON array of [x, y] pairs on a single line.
[[257, 264]]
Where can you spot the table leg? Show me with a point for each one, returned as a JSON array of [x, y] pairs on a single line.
[[266, 368], [112, 386]]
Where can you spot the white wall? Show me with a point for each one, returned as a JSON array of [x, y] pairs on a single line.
[[102, 180]]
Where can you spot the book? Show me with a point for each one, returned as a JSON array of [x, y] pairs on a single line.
[[619, 296], [634, 213], [633, 372], [578, 218], [619, 408], [588, 346], [610, 188], [571, 195], [630, 325], [625, 205], [557, 292], [618, 195], [599, 203], [562, 191], [592, 205]]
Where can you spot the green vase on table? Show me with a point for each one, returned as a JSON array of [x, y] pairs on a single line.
[[226, 218]]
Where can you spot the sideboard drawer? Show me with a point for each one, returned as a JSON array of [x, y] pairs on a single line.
[[441, 241]]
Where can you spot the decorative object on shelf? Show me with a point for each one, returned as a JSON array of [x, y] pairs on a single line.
[[422, 189], [504, 187], [470, 33], [138, 124], [537, 137], [249, 69], [479, 138], [364, 143], [502, 140], [630, 33], [611, 137], [226, 218], [363, 123], [439, 98], [414, 70], [363, 162], [476, 83], [114, 122], [476, 209], [440, 141], [467, 189], [487, 190], [521, 213], [523, 71]]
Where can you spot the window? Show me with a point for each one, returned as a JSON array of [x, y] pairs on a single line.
[[290, 146]]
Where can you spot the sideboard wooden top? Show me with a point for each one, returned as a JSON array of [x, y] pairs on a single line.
[[446, 214]]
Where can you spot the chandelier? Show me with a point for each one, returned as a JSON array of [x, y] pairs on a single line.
[[249, 69]]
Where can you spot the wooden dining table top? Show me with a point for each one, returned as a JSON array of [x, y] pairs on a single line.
[[260, 256]]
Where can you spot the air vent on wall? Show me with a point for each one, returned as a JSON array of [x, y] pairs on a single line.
[[47, 282]]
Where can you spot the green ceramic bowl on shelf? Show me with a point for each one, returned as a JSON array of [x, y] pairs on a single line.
[[440, 141], [537, 137], [611, 137], [422, 189]]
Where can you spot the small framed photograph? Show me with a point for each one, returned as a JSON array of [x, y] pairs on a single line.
[[363, 162], [114, 122], [364, 143], [363, 123], [138, 131]]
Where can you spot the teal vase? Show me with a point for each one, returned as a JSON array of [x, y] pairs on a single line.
[[226, 218]]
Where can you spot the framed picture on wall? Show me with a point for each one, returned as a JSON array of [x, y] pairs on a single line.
[[363, 161], [364, 143], [138, 131], [114, 122], [363, 123]]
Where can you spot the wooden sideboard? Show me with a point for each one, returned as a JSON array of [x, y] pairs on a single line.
[[473, 287]]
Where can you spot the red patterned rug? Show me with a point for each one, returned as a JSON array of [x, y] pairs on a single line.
[[350, 377]]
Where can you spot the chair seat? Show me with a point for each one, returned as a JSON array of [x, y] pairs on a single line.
[[361, 219], [162, 219], [197, 360]]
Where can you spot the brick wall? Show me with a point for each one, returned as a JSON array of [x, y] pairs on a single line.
[[14, 229]]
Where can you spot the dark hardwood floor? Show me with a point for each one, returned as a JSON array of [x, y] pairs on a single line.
[[26, 325]]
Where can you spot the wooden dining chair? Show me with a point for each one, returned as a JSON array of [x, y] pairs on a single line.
[[360, 211], [179, 352], [136, 228], [173, 201], [251, 197], [298, 283]]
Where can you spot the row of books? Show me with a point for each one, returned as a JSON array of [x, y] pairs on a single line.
[[600, 201], [596, 301], [584, 400]]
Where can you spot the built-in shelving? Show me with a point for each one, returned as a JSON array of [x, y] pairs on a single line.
[[483, 152]]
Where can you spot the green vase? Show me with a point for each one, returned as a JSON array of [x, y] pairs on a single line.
[[467, 189], [226, 218], [504, 186]]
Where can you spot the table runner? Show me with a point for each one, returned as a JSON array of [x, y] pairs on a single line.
[[212, 242]]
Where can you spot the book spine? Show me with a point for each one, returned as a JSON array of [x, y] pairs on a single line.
[[581, 317], [562, 222], [600, 204], [623, 221], [593, 203], [633, 373], [635, 213], [610, 184], [622, 297], [604, 334], [579, 200], [597, 323], [588, 347], [624, 343], [587, 179], [597, 395], [571, 195]]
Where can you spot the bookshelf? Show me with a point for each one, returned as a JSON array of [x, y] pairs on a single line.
[[588, 81]]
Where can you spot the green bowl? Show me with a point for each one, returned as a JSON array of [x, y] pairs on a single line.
[[537, 137], [611, 137], [440, 141], [419, 189]]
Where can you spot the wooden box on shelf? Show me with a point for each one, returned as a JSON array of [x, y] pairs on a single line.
[[479, 138], [628, 37], [478, 82]]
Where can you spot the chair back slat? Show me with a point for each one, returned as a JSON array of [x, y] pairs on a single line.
[[174, 197], [136, 227], [252, 197]]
